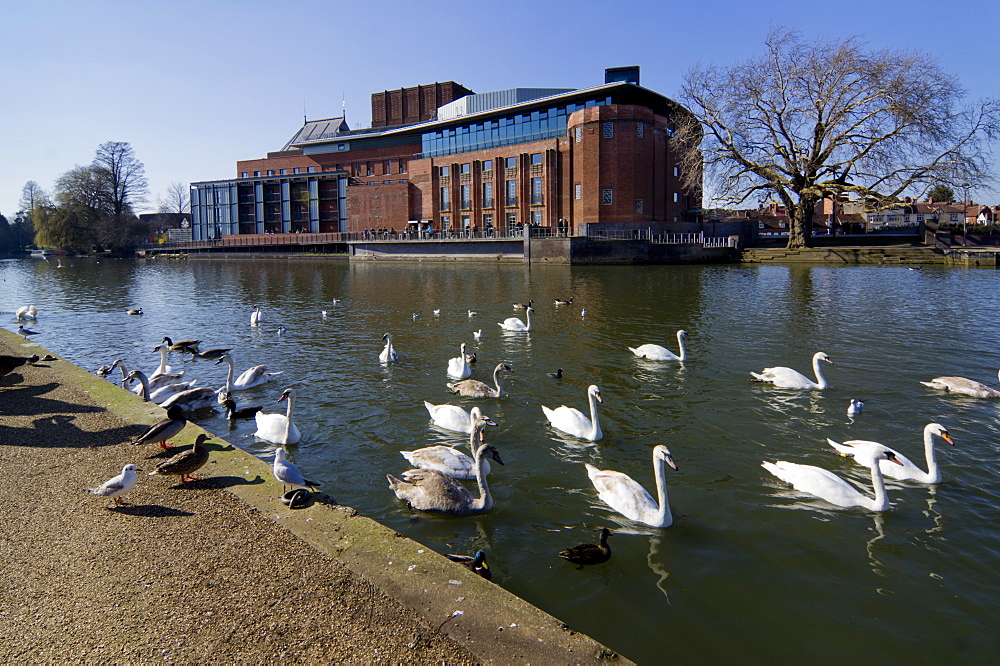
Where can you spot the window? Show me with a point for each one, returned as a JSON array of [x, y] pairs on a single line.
[[368, 169], [608, 129], [536, 191], [639, 205], [677, 172], [311, 169], [282, 172], [677, 197], [465, 168], [244, 174], [577, 191], [536, 158], [783, 224], [607, 196], [511, 219], [387, 168], [270, 172], [511, 193], [443, 171], [298, 170], [402, 166], [487, 195], [445, 222], [511, 162], [445, 198], [487, 165], [760, 225], [640, 130], [256, 173], [466, 222], [578, 133], [357, 168], [536, 218], [465, 194]]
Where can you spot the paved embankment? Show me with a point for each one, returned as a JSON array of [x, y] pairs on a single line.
[[216, 570]]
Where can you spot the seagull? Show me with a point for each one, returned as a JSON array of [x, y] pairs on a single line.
[[334, 300], [416, 316], [478, 335], [118, 485], [437, 312], [583, 312], [325, 313], [24, 332], [281, 329], [287, 473], [472, 313]]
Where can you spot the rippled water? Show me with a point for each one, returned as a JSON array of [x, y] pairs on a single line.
[[751, 570]]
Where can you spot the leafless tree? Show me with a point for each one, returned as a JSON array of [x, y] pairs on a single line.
[[176, 200], [32, 196], [810, 119], [125, 187]]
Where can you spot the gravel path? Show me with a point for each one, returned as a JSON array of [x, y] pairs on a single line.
[[182, 573]]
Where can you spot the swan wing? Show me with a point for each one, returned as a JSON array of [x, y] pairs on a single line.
[[963, 386], [818, 482], [450, 417], [444, 459], [472, 388], [622, 493], [271, 428], [429, 490], [906, 470], [458, 367], [570, 420]]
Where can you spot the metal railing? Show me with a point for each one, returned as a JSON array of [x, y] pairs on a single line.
[[650, 236]]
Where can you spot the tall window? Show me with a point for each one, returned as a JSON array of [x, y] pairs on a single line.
[[536, 191], [487, 220], [465, 168], [608, 129], [443, 171], [445, 222], [487, 165], [536, 218], [511, 193], [536, 158], [577, 191], [511, 219], [487, 195], [466, 222], [511, 162], [402, 166], [466, 196], [578, 133], [677, 172], [640, 130], [607, 196], [677, 197], [639, 205], [445, 198]]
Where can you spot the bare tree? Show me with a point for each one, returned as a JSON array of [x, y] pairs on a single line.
[[125, 187], [32, 195], [811, 119], [176, 200]]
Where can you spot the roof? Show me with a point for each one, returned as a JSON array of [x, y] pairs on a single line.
[[313, 129]]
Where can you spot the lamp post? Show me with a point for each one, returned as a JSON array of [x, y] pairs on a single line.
[[965, 213]]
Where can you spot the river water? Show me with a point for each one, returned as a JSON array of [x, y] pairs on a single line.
[[751, 570]]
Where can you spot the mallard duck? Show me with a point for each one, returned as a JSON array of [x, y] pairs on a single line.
[[589, 553], [9, 363], [185, 463], [474, 563], [118, 485], [164, 429]]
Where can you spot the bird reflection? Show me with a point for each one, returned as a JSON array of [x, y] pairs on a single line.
[[873, 561], [657, 568], [933, 513]]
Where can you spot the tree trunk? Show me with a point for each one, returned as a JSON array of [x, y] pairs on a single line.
[[800, 224]]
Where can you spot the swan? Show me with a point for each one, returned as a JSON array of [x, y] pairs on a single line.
[[458, 367], [25, 312], [623, 494], [830, 487], [788, 378], [963, 386], [163, 370], [473, 388], [658, 353], [153, 384], [192, 399], [448, 460], [255, 376], [472, 313], [906, 471], [428, 490], [572, 421], [388, 354], [515, 324], [255, 316], [278, 428], [158, 395], [454, 418], [478, 335]]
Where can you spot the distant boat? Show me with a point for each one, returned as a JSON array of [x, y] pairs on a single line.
[[41, 254]]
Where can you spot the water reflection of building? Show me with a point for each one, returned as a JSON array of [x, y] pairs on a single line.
[[442, 156]]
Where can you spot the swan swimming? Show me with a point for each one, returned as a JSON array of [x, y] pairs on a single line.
[[389, 353], [658, 353], [828, 486], [963, 386], [904, 470], [160, 394], [458, 367], [515, 324], [449, 461], [278, 428], [473, 388], [255, 316], [787, 378], [254, 376], [454, 418], [572, 421], [623, 494]]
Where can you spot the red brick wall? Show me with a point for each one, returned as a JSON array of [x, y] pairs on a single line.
[[378, 207], [415, 104]]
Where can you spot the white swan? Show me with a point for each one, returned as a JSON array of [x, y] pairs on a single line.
[[453, 417], [658, 353], [450, 461], [163, 370], [153, 384], [25, 312], [788, 378], [515, 324], [906, 470], [458, 367], [389, 353], [278, 428], [160, 394], [623, 494], [428, 490], [830, 487], [473, 388], [572, 421], [963, 386], [254, 376], [255, 316]]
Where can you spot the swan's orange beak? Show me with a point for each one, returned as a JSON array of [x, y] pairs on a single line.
[[891, 457], [946, 437]]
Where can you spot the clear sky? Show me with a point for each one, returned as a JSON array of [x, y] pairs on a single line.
[[196, 85]]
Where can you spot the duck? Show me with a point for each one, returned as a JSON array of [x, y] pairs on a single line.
[[573, 422], [162, 393], [453, 417], [232, 412], [523, 306], [210, 354], [10, 363], [560, 301], [279, 428], [429, 490], [255, 316], [388, 354], [474, 563], [473, 388], [26, 332], [658, 353], [787, 378], [963, 386], [164, 429], [192, 399], [827, 486], [904, 469], [287, 473], [515, 324], [458, 367], [447, 460], [134, 311], [555, 375], [185, 463], [627, 497], [189, 346], [117, 486], [589, 553], [254, 376]]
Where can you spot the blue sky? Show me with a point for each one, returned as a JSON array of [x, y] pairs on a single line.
[[195, 86]]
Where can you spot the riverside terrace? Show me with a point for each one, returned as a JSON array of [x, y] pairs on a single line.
[[515, 245]]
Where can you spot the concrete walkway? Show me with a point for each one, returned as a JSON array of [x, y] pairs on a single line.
[[216, 570]]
